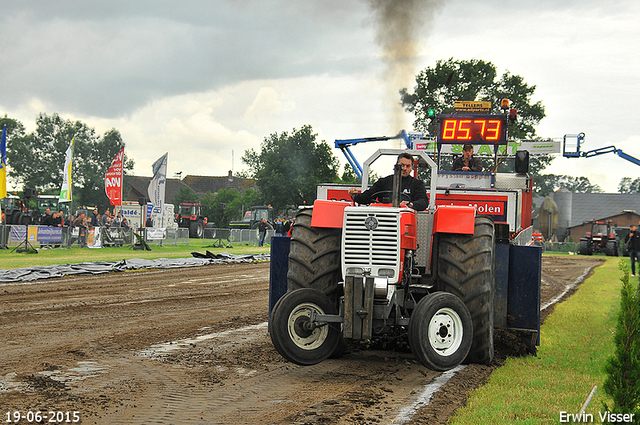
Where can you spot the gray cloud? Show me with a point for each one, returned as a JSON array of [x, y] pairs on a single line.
[[109, 58]]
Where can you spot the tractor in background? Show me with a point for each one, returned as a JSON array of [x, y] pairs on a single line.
[[190, 216], [601, 238], [252, 218]]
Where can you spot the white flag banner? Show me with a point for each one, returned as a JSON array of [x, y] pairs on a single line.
[[65, 190], [158, 184]]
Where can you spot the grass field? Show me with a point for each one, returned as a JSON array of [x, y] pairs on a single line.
[[45, 257], [576, 340]]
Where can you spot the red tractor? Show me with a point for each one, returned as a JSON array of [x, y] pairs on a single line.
[[600, 239], [444, 277], [190, 216]]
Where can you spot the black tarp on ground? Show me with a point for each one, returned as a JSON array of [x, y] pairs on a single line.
[[29, 274]]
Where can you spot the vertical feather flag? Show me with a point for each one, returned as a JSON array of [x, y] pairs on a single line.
[[3, 163], [113, 179], [157, 185], [65, 190]]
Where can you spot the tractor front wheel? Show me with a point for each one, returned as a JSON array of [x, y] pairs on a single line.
[[440, 331], [295, 336]]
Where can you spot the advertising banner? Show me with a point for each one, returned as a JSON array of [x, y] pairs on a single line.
[[66, 189], [113, 179], [158, 183]]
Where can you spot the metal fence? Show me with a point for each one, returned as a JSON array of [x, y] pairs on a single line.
[[248, 236], [12, 236]]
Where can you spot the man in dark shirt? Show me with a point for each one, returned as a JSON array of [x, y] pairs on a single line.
[[414, 194], [467, 162], [633, 240], [262, 231], [47, 218]]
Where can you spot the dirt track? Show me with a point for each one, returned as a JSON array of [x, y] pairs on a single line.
[[190, 346]]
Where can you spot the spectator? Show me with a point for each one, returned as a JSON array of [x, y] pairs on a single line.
[[81, 224], [117, 221], [95, 218], [279, 227], [633, 241], [105, 220], [262, 231], [47, 218]]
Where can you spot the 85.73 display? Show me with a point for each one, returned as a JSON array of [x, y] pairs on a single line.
[[472, 129]]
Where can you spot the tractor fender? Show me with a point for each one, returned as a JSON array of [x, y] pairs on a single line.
[[454, 219], [328, 214]]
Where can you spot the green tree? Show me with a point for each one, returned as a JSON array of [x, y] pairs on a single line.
[[627, 185], [437, 89], [37, 159], [228, 205], [185, 194], [289, 166]]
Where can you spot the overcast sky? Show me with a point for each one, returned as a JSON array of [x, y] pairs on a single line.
[[206, 80]]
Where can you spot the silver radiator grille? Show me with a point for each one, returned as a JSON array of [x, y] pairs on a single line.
[[375, 248]]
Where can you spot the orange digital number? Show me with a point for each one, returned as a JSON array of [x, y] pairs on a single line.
[[449, 131], [493, 130], [480, 133], [465, 132]]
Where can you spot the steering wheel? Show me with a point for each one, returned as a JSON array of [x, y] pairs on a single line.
[[403, 196]]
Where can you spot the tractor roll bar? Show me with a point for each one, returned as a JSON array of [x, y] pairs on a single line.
[[386, 152]]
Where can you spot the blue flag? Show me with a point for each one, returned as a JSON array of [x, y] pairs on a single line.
[[3, 163]]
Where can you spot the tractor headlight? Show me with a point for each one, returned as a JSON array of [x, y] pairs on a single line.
[[390, 273], [355, 271]]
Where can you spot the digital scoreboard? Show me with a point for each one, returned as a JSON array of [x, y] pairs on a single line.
[[472, 129]]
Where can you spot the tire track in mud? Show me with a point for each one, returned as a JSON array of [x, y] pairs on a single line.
[[207, 380]]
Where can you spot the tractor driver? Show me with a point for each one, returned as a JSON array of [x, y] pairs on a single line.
[[412, 188], [467, 162]]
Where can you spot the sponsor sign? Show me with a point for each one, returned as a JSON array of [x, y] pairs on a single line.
[[495, 206], [36, 234], [156, 233], [534, 147]]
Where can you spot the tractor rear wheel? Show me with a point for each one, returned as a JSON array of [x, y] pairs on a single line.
[[440, 331], [293, 334], [466, 269], [314, 257], [611, 249], [196, 229]]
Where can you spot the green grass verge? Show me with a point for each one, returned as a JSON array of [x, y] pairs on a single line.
[[576, 340], [45, 257]]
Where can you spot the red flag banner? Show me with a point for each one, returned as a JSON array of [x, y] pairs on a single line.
[[113, 179]]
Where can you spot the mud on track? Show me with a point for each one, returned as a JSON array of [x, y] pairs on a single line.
[[190, 346]]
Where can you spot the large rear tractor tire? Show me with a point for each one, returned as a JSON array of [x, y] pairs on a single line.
[[466, 269], [584, 248], [611, 249], [314, 257], [293, 334], [440, 331]]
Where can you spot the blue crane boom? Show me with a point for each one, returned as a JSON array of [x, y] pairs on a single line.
[[577, 153], [345, 144]]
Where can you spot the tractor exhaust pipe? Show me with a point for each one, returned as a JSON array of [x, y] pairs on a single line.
[[397, 180]]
